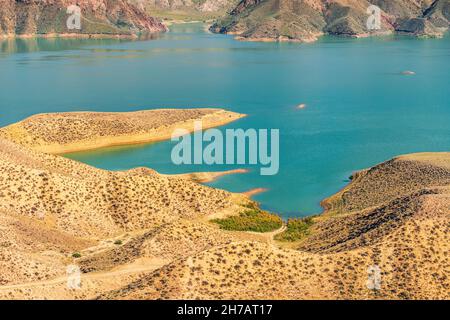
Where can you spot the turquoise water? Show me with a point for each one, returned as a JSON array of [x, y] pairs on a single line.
[[360, 111]]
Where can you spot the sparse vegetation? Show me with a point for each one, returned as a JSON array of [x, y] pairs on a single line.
[[118, 242], [296, 230], [252, 219], [393, 217]]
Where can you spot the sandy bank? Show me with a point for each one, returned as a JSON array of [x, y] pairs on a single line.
[[254, 192], [207, 177]]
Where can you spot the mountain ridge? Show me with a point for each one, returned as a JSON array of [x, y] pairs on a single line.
[[307, 20], [97, 17]]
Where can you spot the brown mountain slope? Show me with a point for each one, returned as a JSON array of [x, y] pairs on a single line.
[[187, 10], [407, 239], [84, 201], [306, 20], [32, 250], [386, 182], [141, 235], [98, 17], [413, 261], [52, 207]]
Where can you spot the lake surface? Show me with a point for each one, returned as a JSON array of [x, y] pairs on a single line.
[[360, 109]]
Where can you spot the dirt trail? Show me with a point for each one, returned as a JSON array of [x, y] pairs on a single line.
[[134, 268], [273, 234], [269, 237]]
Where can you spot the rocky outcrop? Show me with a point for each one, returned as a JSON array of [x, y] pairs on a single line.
[[434, 21], [306, 20], [97, 17]]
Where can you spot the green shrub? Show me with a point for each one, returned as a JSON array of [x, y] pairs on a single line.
[[118, 242], [76, 255], [296, 230], [251, 220]]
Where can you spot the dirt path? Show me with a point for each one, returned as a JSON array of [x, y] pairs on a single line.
[[273, 234], [134, 268], [268, 237]]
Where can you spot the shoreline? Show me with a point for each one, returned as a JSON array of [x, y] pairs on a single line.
[[277, 40], [70, 36], [314, 38], [328, 203], [207, 176], [253, 192]]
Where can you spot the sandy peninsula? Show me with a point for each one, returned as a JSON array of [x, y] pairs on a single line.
[[80, 131], [140, 235], [254, 192], [207, 177]]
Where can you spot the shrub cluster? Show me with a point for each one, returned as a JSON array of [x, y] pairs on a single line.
[[296, 230], [251, 220]]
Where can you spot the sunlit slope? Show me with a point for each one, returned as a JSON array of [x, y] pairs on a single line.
[[401, 228]]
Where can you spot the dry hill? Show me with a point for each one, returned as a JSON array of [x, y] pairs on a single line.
[[405, 235], [141, 235]]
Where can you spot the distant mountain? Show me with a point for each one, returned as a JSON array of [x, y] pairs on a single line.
[[201, 5], [306, 20], [99, 17], [187, 9]]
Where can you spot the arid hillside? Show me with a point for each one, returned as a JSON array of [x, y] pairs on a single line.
[[405, 237], [141, 235], [306, 20], [98, 17], [52, 207]]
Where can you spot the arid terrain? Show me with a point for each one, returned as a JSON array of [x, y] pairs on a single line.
[[186, 10], [99, 18], [307, 20], [141, 235], [252, 20]]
